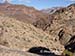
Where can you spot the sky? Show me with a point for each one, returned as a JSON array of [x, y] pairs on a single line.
[[42, 4]]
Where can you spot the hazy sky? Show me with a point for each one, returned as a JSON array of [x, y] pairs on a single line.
[[42, 4]]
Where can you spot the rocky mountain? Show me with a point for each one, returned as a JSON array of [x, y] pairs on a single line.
[[25, 14], [24, 30], [51, 10], [64, 23], [21, 12], [62, 26], [18, 33]]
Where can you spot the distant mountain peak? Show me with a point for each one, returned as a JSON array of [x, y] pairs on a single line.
[[6, 2]]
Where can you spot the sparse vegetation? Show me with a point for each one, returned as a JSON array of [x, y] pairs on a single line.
[[23, 27], [67, 53], [20, 38]]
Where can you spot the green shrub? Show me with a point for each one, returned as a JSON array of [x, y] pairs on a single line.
[[66, 52]]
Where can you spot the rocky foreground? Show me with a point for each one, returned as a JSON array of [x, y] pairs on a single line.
[[5, 51]]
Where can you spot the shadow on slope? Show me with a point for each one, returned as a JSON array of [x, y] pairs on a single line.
[[41, 51], [71, 46]]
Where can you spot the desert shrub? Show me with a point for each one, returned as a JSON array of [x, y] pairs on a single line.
[[41, 40], [4, 43], [67, 53]]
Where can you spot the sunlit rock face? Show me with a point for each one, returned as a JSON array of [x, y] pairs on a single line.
[[61, 24]]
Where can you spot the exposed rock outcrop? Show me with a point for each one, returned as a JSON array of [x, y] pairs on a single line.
[[63, 25]]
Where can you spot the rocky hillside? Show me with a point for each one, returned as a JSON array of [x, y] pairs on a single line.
[[21, 36], [26, 14], [62, 26], [25, 28], [62, 20], [21, 12], [63, 23]]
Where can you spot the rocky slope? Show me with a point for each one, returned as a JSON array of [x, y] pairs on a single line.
[[61, 25], [21, 12], [50, 31], [4, 51], [26, 14], [22, 36]]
